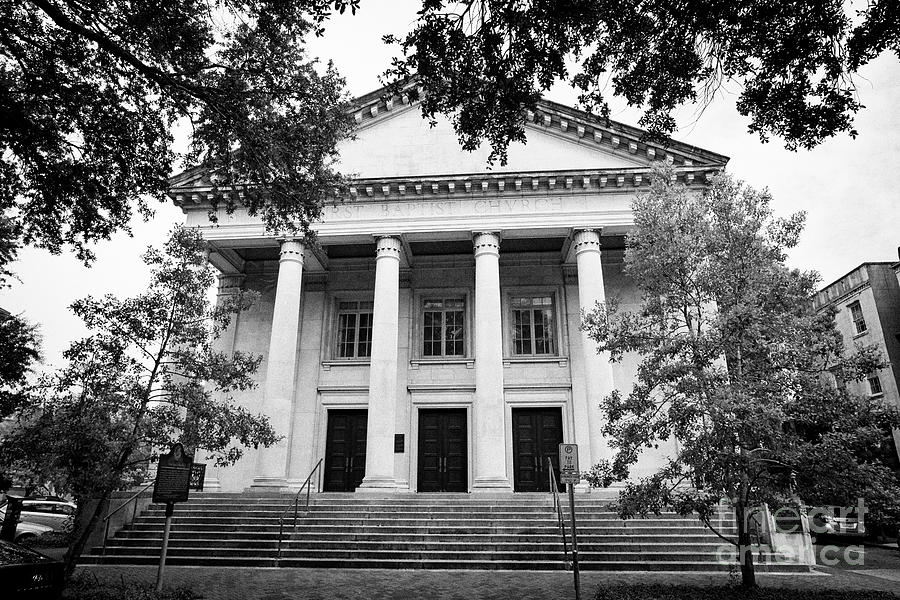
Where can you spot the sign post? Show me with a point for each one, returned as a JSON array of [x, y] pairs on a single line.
[[173, 482], [570, 475]]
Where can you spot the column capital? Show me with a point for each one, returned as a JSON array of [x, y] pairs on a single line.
[[388, 246], [586, 240], [486, 242], [291, 250]]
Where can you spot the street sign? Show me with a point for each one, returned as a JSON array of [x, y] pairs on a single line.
[[570, 477], [568, 458]]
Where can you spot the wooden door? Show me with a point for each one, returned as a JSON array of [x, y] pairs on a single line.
[[345, 450], [443, 459], [537, 434]]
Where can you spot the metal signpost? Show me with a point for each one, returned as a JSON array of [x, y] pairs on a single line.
[[173, 482], [571, 476]]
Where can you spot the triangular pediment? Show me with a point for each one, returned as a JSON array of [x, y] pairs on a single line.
[[404, 145], [392, 140]]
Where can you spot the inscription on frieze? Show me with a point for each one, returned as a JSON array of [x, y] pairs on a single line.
[[443, 208]]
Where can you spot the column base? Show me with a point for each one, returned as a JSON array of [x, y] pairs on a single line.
[[270, 484], [211, 484], [377, 485], [491, 484]]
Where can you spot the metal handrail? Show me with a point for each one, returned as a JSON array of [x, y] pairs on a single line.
[[121, 506], [306, 485], [554, 489]]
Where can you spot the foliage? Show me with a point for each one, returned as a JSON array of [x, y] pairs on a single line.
[[482, 62], [147, 376], [678, 592], [86, 586], [91, 93], [18, 353], [735, 364]]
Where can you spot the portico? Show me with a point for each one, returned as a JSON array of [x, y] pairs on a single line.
[[430, 338]]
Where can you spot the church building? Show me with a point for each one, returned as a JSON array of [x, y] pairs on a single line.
[[430, 340]]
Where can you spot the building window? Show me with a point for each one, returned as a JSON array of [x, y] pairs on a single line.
[[874, 385], [443, 327], [354, 329], [533, 325], [859, 322]]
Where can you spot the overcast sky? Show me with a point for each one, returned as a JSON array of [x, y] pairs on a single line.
[[849, 188]]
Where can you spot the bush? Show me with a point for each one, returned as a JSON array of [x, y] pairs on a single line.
[[677, 592], [86, 586]]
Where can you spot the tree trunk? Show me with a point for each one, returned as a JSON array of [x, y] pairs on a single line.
[[83, 532], [745, 549]]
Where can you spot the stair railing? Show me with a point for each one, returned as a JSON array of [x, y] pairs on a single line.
[[554, 489], [295, 504], [110, 513]]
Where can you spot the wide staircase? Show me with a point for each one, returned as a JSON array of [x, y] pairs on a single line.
[[420, 531]]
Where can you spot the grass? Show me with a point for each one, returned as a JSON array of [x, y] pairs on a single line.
[[86, 586]]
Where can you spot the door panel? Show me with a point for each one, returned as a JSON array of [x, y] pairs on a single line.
[[345, 450], [537, 433], [443, 443]]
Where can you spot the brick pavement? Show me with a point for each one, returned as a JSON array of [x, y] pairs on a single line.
[[238, 583]]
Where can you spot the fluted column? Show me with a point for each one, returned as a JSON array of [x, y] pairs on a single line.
[[597, 368], [383, 370], [281, 365], [489, 414]]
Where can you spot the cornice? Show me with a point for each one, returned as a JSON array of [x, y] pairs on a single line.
[[478, 185]]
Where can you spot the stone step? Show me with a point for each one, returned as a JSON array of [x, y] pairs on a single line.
[[502, 528], [462, 555], [430, 546], [443, 512], [556, 565], [271, 537], [380, 519]]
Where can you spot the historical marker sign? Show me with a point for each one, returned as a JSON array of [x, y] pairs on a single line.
[[568, 458], [173, 476]]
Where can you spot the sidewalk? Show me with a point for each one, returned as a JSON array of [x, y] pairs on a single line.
[[239, 583]]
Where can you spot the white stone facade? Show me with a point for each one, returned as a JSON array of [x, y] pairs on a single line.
[[442, 304]]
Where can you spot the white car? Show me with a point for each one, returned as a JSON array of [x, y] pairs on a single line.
[[26, 530], [53, 512]]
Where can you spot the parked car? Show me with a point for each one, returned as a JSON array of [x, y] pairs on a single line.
[[54, 512], [25, 530], [29, 575], [836, 525]]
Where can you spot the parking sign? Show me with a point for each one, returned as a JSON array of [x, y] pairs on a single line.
[[568, 457]]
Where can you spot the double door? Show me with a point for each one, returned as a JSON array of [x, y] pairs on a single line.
[[443, 460], [345, 450], [537, 434]]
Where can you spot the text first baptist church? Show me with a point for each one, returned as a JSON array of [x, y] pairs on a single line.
[[431, 341]]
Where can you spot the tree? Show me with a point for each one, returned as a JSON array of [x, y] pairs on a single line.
[[736, 365], [482, 62], [147, 376], [91, 93], [18, 353]]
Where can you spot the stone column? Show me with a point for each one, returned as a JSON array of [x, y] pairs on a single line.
[[281, 366], [383, 369], [597, 368], [230, 285], [489, 413]]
